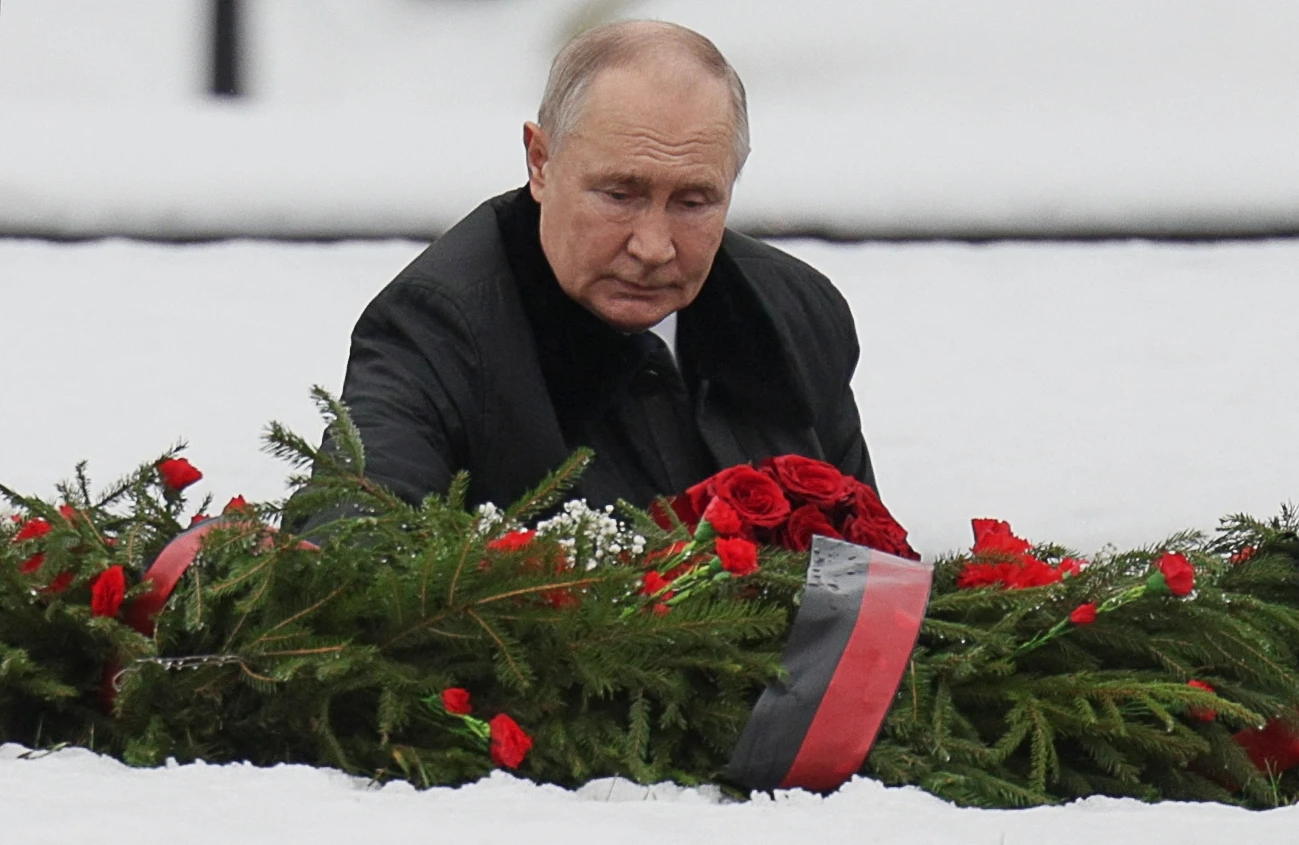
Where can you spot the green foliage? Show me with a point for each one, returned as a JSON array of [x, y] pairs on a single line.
[[271, 650], [1105, 708], [336, 653]]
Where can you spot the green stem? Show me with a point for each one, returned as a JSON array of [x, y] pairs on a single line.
[[1112, 603]]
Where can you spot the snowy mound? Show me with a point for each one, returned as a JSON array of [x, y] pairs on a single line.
[[199, 804]]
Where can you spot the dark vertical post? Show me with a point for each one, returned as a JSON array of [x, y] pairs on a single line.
[[226, 81]]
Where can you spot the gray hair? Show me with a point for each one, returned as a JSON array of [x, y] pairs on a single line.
[[618, 44]]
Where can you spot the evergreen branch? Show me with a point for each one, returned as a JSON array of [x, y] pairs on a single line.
[[304, 652], [551, 488], [295, 617], [455, 576], [543, 588], [502, 649]]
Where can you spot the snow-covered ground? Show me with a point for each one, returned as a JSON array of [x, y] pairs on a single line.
[[74, 796], [870, 117]]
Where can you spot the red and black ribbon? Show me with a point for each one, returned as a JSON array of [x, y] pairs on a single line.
[[849, 645]]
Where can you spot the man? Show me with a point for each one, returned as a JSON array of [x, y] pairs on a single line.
[[606, 304]]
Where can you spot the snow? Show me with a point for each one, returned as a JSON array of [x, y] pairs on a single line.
[[1090, 394], [892, 118], [202, 804]]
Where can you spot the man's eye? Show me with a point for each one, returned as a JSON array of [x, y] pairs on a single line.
[[618, 196]]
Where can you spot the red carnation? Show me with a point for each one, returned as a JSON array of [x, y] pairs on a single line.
[[60, 583], [1032, 572], [1177, 572], [653, 583], [1084, 614], [723, 518], [197, 518], [33, 529], [993, 538], [236, 505], [813, 481], [804, 523], [107, 590], [560, 598], [1071, 566], [32, 563], [1201, 713], [509, 744], [975, 575], [738, 555], [756, 498], [456, 701], [1243, 555], [513, 541], [178, 473]]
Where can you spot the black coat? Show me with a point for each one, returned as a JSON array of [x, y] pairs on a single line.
[[473, 358]]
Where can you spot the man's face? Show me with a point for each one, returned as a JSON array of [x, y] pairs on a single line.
[[634, 200]]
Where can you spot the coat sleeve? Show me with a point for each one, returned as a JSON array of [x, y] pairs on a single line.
[[839, 425], [413, 387]]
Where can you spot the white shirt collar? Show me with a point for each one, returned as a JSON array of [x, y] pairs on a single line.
[[667, 330]]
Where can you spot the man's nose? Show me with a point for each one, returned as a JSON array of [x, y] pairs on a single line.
[[651, 239]]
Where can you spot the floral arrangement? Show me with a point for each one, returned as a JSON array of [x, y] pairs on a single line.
[[611, 641]]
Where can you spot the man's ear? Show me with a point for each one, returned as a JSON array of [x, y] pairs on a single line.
[[538, 150]]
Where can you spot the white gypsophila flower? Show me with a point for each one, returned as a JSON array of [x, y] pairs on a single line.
[[488, 518], [592, 535]]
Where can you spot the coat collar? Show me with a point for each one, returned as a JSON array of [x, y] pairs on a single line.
[[730, 348]]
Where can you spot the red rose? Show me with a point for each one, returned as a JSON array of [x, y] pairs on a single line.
[[738, 555], [513, 541], [509, 743], [866, 502], [881, 533], [178, 473], [33, 529], [106, 591], [813, 481], [1084, 614], [1203, 714], [236, 505], [723, 518], [456, 701], [803, 523], [662, 510], [993, 538], [755, 496], [1179, 575]]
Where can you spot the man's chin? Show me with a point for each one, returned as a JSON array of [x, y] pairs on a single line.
[[632, 315]]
